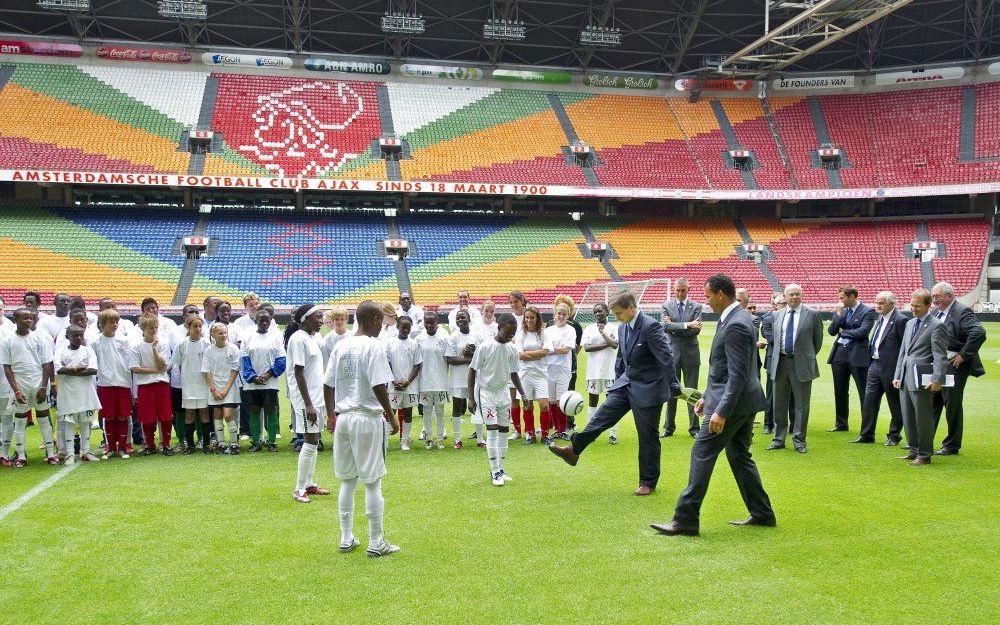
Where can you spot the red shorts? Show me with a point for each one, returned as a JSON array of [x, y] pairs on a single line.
[[153, 403], [116, 401]]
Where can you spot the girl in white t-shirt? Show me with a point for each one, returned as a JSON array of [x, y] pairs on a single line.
[[189, 356], [600, 341], [434, 382], [221, 366], [559, 367], [517, 303], [532, 349]]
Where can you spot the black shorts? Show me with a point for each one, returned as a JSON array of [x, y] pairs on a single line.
[[261, 398], [176, 400]]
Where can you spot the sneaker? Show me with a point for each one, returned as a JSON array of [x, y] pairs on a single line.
[[168, 451], [317, 490], [440, 443], [404, 445], [423, 435], [234, 449], [5, 462], [207, 449], [546, 440], [300, 497], [481, 444], [514, 435], [244, 437], [277, 436], [128, 448], [199, 445], [53, 460], [429, 444], [498, 478], [349, 546], [272, 447], [383, 548], [472, 436], [20, 463], [255, 448], [296, 445], [457, 445], [89, 457], [319, 445], [613, 440], [124, 456], [506, 478], [188, 450], [149, 451], [69, 461], [529, 440]]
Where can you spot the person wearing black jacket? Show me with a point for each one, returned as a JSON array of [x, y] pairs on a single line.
[[883, 353]]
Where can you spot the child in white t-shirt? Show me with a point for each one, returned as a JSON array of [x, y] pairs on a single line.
[[189, 356], [76, 366], [492, 371], [559, 368], [533, 348], [220, 365], [114, 382], [434, 381], [458, 355], [26, 357], [405, 360], [336, 320], [151, 366], [262, 364], [306, 394], [600, 341]]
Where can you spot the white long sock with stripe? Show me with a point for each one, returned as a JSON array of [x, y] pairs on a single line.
[[6, 433], [220, 431], [307, 462], [345, 506], [493, 449], [456, 425], [501, 449], [46, 429], [20, 424], [407, 428], [374, 510], [439, 413]]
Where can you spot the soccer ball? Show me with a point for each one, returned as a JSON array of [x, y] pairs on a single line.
[[571, 403]]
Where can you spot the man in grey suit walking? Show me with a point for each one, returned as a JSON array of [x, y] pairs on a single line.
[[798, 334], [682, 323], [925, 346], [733, 398], [883, 352]]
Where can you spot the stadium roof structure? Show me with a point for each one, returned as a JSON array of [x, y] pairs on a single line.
[[658, 36]]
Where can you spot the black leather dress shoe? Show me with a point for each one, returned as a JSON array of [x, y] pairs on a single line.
[[944, 451], [837, 429], [767, 430], [862, 439], [666, 434], [673, 529], [891, 442], [752, 520], [801, 449], [774, 446]]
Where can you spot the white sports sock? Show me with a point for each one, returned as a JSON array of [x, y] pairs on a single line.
[[20, 424], [428, 421], [439, 412], [220, 431], [407, 427], [311, 476], [480, 429], [234, 431], [590, 413], [84, 436], [374, 509], [6, 433], [493, 449], [345, 505], [456, 425], [46, 429], [67, 429], [501, 449], [61, 436], [307, 462]]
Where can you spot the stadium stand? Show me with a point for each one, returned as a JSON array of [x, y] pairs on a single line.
[[798, 134], [701, 128], [752, 131], [988, 119], [965, 245], [855, 139]]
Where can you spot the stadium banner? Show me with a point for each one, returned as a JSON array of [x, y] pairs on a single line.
[[441, 71], [40, 48], [348, 67], [475, 188], [994, 68], [620, 81], [919, 76], [151, 55], [543, 76], [813, 82], [246, 60], [715, 84]]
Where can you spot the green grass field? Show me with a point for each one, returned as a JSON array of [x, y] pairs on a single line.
[[862, 538]]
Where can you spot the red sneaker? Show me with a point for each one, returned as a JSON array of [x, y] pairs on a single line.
[[457, 445], [481, 444], [300, 497], [317, 490], [5, 462], [20, 463], [53, 460]]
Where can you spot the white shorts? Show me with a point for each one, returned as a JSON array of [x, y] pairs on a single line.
[[598, 387], [460, 392], [493, 407], [232, 398], [399, 399], [78, 418], [558, 382], [32, 404], [194, 404], [433, 398], [359, 444], [535, 387], [302, 425]]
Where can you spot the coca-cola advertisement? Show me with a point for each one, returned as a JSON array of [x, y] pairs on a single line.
[[41, 48], [147, 55]]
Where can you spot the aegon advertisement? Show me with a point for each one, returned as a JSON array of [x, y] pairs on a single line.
[[919, 76], [620, 81], [543, 76], [719, 84], [440, 71], [151, 55], [813, 82], [348, 67], [68, 50], [247, 60]]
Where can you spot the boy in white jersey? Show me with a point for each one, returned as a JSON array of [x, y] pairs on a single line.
[[336, 320], [76, 366], [357, 408], [221, 365], [405, 361], [458, 355], [492, 371], [26, 358], [305, 391], [114, 382], [6, 416], [600, 341], [189, 357], [151, 366], [263, 362], [433, 378]]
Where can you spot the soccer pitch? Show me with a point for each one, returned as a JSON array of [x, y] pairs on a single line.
[[861, 538]]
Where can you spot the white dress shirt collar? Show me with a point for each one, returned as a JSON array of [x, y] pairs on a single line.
[[729, 309]]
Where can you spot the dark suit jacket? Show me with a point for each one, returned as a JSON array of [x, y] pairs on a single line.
[[892, 340], [965, 336], [733, 387], [757, 325], [857, 330], [646, 365], [767, 333]]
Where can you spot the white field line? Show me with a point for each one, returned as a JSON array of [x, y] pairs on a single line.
[[18, 503]]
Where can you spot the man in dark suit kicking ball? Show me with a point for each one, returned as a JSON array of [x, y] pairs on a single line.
[[733, 397], [644, 381]]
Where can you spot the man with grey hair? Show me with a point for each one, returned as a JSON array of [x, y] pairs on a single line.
[[767, 343], [682, 322], [965, 336], [798, 332], [883, 353]]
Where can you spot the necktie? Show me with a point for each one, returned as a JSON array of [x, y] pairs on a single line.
[[916, 330], [847, 323], [680, 310], [624, 341], [878, 328], [940, 314], [790, 332]]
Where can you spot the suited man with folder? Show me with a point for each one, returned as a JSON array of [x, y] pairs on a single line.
[[920, 372]]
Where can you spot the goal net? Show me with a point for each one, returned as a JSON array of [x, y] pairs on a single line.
[[649, 295]]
